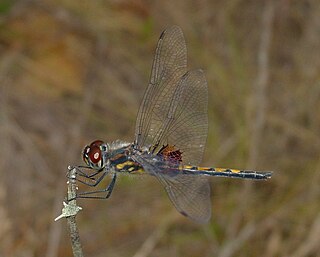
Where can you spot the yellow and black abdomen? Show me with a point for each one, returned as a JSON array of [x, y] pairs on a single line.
[[225, 172]]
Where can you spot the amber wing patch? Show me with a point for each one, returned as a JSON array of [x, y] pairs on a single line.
[[169, 152]]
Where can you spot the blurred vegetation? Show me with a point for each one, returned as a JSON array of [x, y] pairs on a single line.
[[73, 71]]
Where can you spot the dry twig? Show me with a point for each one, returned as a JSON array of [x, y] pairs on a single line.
[[70, 211]]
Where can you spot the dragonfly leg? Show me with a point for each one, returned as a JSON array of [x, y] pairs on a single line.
[[111, 185], [107, 190], [93, 181], [81, 173]]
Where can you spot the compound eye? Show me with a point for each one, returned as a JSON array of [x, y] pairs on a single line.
[[94, 154], [85, 154], [97, 143]]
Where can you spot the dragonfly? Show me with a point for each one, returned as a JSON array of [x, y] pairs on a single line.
[[170, 135]]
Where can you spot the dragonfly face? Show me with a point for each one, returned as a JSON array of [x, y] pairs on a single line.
[[94, 155]]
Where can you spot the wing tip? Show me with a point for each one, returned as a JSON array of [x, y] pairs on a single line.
[[169, 29], [199, 220]]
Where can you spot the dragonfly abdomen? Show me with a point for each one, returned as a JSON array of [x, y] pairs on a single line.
[[225, 172]]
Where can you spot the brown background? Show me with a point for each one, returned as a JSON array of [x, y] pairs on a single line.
[[73, 71]]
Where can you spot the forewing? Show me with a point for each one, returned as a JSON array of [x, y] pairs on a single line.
[[190, 194], [169, 65], [186, 126]]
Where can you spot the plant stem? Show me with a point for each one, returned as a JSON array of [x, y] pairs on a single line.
[[71, 220], [70, 211]]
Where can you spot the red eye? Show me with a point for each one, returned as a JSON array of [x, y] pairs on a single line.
[[96, 143], [85, 153], [94, 154]]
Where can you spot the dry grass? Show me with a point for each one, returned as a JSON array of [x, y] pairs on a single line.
[[74, 71]]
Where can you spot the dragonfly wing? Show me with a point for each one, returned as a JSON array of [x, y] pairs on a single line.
[[169, 65], [186, 126], [174, 108], [176, 117], [190, 194], [172, 122]]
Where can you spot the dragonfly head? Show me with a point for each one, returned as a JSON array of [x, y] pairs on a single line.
[[94, 154]]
